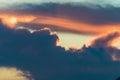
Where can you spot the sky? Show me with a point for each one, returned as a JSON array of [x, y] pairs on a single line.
[[66, 1], [15, 74], [60, 39], [103, 3]]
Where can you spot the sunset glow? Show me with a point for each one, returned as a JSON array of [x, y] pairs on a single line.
[[11, 20], [60, 22], [60, 40], [77, 26]]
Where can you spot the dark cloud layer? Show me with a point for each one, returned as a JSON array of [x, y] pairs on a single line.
[[62, 17], [38, 53], [89, 14]]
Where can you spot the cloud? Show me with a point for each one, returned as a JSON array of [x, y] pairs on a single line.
[[38, 53], [56, 24], [105, 43], [13, 74], [106, 40], [85, 19], [94, 15]]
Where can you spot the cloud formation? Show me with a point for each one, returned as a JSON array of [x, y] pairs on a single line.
[[106, 40], [94, 15], [82, 18], [38, 53]]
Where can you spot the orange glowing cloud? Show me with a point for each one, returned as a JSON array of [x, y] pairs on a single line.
[[105, 40], [67, 24], [11, 20], [76, 26]]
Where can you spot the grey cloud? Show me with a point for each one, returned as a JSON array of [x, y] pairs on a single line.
[[98, 15]]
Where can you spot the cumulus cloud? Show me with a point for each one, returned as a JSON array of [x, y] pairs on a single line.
[[105, 43], [13, 74], [38, 53]]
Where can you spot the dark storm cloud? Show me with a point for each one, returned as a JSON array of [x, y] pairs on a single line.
[[38, 53], [93, 14]]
